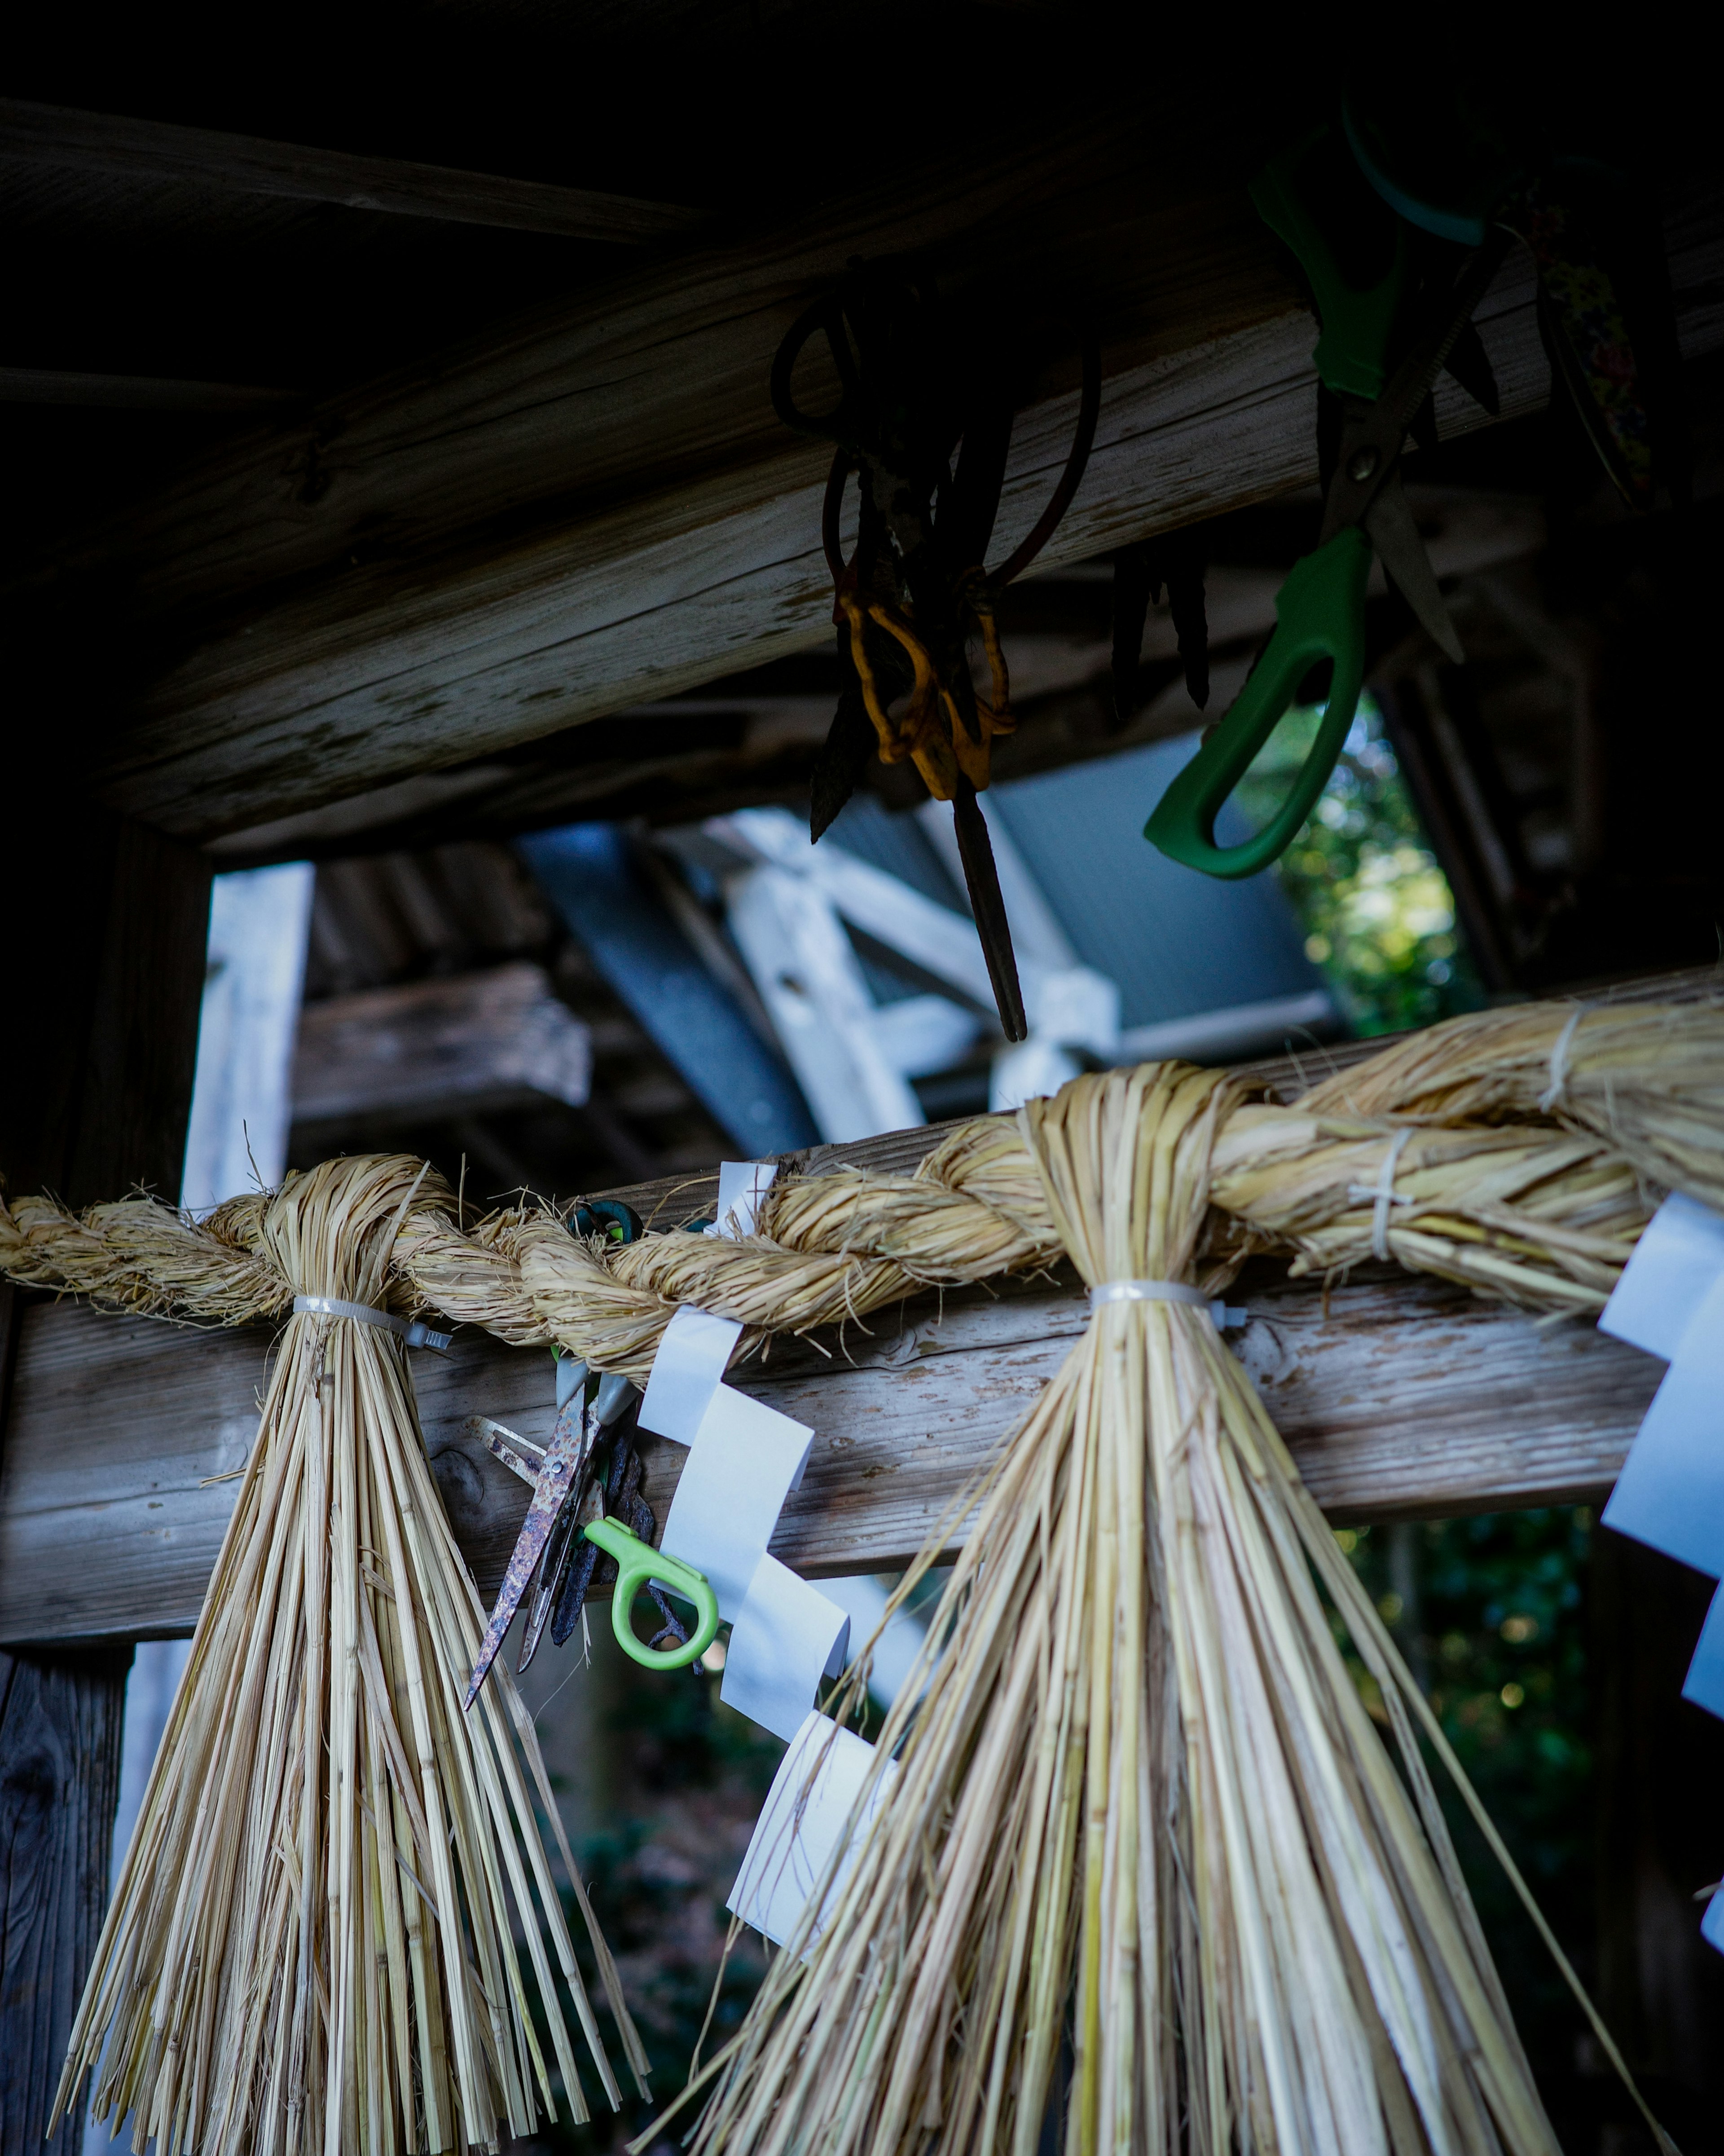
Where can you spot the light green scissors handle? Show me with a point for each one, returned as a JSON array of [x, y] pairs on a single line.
[[1320, 613], [637, 1563]]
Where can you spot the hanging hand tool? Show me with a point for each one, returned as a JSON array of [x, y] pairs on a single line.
[[559, 1481], [1320, 612], [1456, 170], [1454, 158], [915, 591], [568, 1531], [1173, 562], [613, 1495], [591, 1445]]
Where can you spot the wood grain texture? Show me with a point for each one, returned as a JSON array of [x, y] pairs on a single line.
[[61, 1724], [458, 1045], [597, 507], [1408, 1398], [154, 150]]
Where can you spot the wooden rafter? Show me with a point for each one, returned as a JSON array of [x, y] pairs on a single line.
[[130, 149], [137, 392], [597, 506]]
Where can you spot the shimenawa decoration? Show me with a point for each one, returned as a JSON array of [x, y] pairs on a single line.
[[1140, 1794]]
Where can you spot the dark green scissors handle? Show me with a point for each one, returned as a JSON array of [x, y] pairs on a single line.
[[637, 1563], [1320, 613], [1306, 198]]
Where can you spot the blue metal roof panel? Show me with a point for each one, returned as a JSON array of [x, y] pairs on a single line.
[[1177, 943]]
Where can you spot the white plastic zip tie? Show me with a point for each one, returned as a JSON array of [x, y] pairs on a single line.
[[414, 1331], [1158, 1291]]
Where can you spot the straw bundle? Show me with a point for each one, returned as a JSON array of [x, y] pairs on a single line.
[[1140, 1786], [313, 1944]]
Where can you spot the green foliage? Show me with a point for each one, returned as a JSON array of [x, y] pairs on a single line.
[[1488, 1613], [697, 1773], [1376, 911]]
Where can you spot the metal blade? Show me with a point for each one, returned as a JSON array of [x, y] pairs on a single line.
[[519, 1455], [585, 1500], [563, 1457], [1395, 536], [976, 851], [1405, 390], [558, 1550], [1372, 439], [583, 1559]]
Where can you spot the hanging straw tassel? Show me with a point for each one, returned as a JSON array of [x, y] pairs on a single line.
[[1141, 1799], [314, 1944]]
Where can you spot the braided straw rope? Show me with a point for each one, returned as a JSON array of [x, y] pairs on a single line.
[[1541, 1203]]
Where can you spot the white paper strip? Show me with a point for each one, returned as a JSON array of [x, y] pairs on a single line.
[[808, 1812], [687, 1372], [1671, 1492], [1673, 1266], [786, 1637], [1704, 1686], [745, 1460], [742, 1185]]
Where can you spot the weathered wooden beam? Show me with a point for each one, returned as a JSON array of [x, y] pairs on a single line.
[[137, 392], [154, 150], [454, 1047], [1407, 1398], [730, 747], [1398, 1396], [599, 507]]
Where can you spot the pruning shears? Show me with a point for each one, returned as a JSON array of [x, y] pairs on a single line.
[[568, 1531], [587, 1507], [1454, 168], [916, 590], [1320, 611]]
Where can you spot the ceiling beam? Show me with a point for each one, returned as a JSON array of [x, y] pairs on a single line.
[[124, 148], [138, 393], [596, 508]]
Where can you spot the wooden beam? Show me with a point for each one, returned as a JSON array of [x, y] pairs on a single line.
[[732, 747], [1409, 1397], [452, 1047], [597, 507], [152, 150], [137, 392], [1402, 1396]]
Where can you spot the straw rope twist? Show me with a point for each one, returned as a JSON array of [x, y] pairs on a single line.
[[1482, 1182]]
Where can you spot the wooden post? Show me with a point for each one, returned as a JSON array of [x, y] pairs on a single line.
[[105, 969], [60, 1717]]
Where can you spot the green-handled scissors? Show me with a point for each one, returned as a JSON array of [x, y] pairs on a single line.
[[1320, 611], [638, 1563]]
